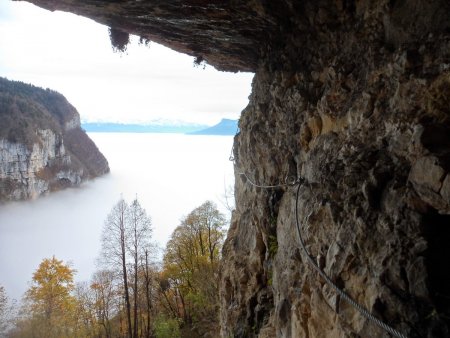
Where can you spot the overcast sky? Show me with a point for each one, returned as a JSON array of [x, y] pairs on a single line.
[[73, 55]]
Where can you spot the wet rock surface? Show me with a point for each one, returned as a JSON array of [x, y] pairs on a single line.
[[353, 98]]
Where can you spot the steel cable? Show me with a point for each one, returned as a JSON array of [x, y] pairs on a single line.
[[290, 182], [341, 292]]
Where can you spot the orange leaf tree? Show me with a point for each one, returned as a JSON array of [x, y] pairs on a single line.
[[49, 298]]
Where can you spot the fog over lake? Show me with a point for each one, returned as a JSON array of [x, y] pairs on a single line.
[[171, 174]]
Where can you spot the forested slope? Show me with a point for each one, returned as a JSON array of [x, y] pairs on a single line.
[[42, 147]]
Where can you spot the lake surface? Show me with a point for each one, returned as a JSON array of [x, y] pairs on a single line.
[[171, 174]]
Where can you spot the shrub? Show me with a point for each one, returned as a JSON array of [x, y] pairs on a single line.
[[167, 327]]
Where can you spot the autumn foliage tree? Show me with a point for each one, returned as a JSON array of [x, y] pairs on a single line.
[[130, 295], [189, 280], [49, 304]]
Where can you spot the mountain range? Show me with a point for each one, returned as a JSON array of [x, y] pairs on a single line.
[[224, 127]]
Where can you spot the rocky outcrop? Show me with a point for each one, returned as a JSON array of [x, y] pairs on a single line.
[[351, 98], [42, 147], [226, 34], [373, 207]]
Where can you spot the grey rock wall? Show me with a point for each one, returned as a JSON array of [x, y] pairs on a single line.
[[28, 173], [365, 129]]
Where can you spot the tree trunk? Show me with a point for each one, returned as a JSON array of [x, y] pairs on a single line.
[[135, 328], [148, 294], [125, 284]]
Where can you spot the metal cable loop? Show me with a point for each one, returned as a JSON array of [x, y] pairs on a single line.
[[327, 279], [289, 181]]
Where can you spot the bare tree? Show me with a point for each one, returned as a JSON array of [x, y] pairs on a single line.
[[148, 291], [114, 250], [126, 239], [104, 293], [138, 241], [227, 199], [3, 310]]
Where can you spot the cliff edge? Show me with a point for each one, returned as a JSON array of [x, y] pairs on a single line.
[[350, 104], [42, 147]]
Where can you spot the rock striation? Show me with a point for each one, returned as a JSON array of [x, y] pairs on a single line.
[[42, 147], [350, 98]]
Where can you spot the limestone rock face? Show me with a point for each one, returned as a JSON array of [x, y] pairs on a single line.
[[24, 172], [352, 99], [373, 207], [42, 147]]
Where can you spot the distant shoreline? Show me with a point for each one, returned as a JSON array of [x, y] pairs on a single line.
[[138, 128], [225, 127]]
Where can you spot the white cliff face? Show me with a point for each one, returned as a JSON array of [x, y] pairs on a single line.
[[28, 173], [72, 123]]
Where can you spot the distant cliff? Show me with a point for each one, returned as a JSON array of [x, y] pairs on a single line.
[[224, 127], [42, 147]]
